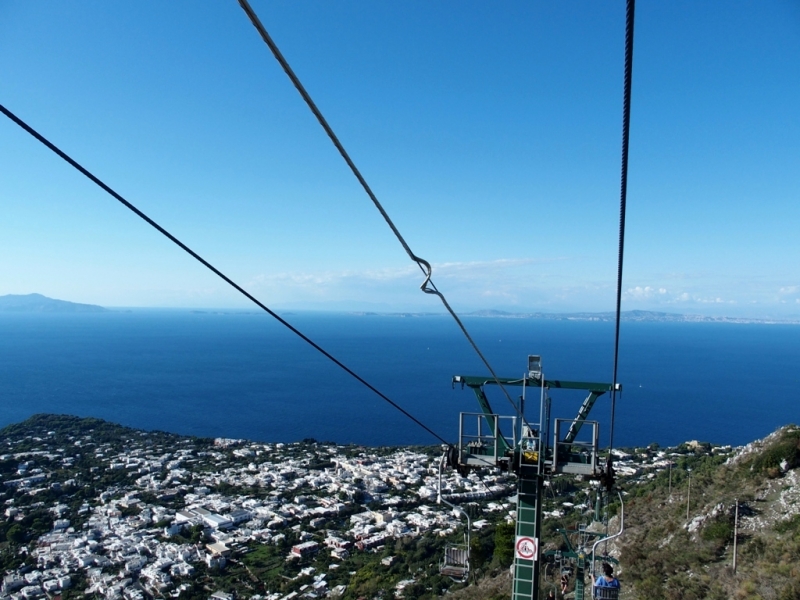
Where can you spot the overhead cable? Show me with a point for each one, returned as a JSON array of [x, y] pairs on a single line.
[[427, 286], [623, 200], [213, 269]]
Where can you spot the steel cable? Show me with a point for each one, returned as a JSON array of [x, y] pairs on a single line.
[[213, 269], [427, 286], [626, 122]]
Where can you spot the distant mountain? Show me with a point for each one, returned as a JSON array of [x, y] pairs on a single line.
[[39, 303]]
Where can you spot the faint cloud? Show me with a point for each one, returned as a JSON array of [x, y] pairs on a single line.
[[789, 293], [326, 278], [686, 297], [500, 295], [501, 263], [468, 285], [466, 271], [526, 283], [661, 295], [646, 292]]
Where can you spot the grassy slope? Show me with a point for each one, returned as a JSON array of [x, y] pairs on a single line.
[[664, 554]]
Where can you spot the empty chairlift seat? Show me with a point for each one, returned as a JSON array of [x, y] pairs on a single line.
[[455, 563]]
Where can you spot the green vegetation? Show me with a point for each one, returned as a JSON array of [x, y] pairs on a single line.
[[663, 554], [791, 525], [504, 544], [666, 555], [785, 450]]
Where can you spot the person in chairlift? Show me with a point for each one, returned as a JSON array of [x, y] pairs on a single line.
[[607, 580]]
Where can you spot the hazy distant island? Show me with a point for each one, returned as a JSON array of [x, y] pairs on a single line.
[[41, 304]]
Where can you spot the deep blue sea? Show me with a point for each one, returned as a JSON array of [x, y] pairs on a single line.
[[243, 375]]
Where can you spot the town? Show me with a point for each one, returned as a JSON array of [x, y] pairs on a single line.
[[96, 509]]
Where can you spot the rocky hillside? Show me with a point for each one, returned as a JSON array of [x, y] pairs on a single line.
[[673, 553]]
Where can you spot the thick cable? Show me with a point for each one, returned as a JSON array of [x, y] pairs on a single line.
[[623, 200], [427, 286], [213, 269]]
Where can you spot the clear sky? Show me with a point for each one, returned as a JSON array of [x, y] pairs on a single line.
[[490, 131]]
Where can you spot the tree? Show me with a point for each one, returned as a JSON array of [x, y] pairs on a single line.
[[504, 544], [481, 549], [196, 534], [16, 534]]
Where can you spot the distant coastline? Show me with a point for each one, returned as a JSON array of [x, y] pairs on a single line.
[[38, 303], [645, 316]]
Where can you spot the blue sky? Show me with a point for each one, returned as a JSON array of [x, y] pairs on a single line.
[[490, 131]]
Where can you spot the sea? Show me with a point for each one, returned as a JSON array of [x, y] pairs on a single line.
[[239, 374]]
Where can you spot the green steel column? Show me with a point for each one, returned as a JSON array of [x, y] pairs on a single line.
[[579, 574], [529, 517]]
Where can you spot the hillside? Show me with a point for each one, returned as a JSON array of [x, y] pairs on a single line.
[[93, 508], [38, 303], [665, 554]]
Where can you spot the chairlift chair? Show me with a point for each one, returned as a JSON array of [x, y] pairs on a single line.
[[605, 593], [455, 563]]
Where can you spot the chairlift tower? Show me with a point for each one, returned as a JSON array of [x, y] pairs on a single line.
[[532, 451]]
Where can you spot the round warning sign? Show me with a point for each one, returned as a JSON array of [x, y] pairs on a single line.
[[526, 547]]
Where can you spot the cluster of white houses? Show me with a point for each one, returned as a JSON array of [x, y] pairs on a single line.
[[123, 547]]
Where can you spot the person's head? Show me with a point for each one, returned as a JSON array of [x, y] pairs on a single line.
[[608, 570]]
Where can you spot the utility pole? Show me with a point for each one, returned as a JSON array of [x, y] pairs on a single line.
[[670, 480], [688, 494], [735, 533]]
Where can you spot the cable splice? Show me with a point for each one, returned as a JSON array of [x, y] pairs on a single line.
[[212, 268], [427, 286]]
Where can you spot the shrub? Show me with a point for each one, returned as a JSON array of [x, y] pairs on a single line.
[[786, 448], [717, 531], [790, 525], [790, 591]]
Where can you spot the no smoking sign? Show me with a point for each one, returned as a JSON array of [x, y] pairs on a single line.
[[526, 548]]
